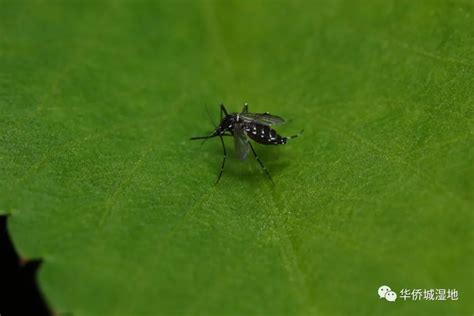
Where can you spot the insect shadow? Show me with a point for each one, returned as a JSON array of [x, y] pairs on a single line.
[[245, 127]]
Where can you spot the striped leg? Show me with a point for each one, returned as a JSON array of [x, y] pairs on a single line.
[[223, 160], [261, 164], [294, 136]]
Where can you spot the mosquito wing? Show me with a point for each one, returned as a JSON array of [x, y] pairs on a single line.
[[261, 118], [241, 143]]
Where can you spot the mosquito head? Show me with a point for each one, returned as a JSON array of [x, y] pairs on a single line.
[[227, 123]]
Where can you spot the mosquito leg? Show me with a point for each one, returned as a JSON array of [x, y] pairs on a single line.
[[261, 164], [294, 136], [223, 111], [223, 160], [202, 137]]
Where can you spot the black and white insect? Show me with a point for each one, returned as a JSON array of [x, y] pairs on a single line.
[[246, 126]]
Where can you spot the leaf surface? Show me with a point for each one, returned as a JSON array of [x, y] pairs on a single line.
[[97, 103]]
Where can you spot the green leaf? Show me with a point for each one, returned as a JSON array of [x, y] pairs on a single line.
[[98, 101]]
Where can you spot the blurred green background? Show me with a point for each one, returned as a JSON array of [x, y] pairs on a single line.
[[99, 98]]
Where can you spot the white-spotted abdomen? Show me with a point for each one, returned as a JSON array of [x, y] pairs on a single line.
[[264, 134]]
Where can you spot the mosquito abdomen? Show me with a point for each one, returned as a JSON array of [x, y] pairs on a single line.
[[264, 134]]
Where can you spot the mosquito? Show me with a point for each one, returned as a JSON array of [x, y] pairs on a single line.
[[246, 126]]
